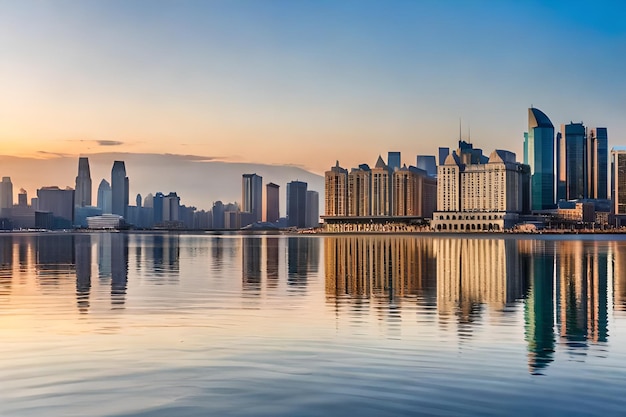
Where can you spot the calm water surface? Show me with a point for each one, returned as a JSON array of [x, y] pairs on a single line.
[[196, 325]]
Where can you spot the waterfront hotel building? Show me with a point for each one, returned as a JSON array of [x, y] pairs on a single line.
[[478, 194]]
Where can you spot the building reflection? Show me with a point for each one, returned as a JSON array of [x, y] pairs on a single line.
[[582, 301], [83, 271], [302, 259], [537, 259], [119, 268], [271, 261], [377, 266], [6, 266], [619, 272], [251, 264], [166, 255], [55, 258], [476, 272]]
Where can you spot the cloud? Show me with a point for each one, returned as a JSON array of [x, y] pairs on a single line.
[[109, 142], [55, 154]]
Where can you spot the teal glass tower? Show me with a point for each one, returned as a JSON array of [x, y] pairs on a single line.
[[539, 152]]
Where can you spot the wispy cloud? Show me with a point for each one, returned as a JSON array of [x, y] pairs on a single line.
[[109, 142], [53, 154]]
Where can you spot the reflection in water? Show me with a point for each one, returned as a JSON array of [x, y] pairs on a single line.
[[119, 268], [563, 285], [476, 273], [271, 264], [302, 259], [537, 258], [83, 271], [251, 264]]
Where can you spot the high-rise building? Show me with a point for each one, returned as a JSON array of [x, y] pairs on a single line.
[[171, 207], [119, 189], [381, 205], [443, 155], [59, 204], [480, 196], [539, 147], [104, 197], [618, 185], [252, 196], [217, 213], [312, 208], [572, 162], [296, 203], [336, 191], [360, 191], [6, 195], [427, 163], [394, 161], [598, 163], [22, 198], [83, 183], [272, 202]]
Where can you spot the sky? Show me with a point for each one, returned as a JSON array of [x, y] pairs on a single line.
[[302, 83]]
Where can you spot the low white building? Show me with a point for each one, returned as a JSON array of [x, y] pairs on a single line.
[[106, 221]]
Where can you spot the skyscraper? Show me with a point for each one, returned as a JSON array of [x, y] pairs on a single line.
[[296, 203], [83, 183], [539, 147], [394, 161], [252, 196], [443, 154], [119, 189], [104, 196], [336, 191], [428, 163], [572, 162], [598, 159], [6, 194], [272, 202], [312, 208], [60, 204], [618, 184]]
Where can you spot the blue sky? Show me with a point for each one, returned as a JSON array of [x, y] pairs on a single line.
[[303, 82]]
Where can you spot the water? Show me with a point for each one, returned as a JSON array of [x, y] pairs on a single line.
[[195, 325]]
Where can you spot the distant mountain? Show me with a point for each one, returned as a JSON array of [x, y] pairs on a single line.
[[198, 180]]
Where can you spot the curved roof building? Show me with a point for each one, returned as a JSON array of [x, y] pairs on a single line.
[[539, 154]]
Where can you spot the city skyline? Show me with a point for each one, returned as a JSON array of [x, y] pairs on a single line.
[[245, 81]]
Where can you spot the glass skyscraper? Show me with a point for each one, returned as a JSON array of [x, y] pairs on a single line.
[[572, 162], [539, 148]]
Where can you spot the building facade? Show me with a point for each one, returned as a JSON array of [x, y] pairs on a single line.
[[58, 205], [272, 202], [296, 204], [618, 185], [539, 152], [119, 189], [480, 196], [83, 183], [336, 191], [252, 196]]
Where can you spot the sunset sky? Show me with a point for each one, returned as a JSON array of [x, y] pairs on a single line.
[[303, 82]]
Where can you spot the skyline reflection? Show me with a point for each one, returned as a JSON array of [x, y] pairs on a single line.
[[563, 292]]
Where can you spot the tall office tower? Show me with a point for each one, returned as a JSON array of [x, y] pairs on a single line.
[[171, 207], [217, 212], [272, 202], [157, 208], [381, 206], [618, 184], [83, 183], [252, 196], [428, 163], [393, 161], [571, 162], [296, 203], [312, 208], [58, 202], [6, 194], [336, 191], [539, 145], [22, 198], [119, 189], [359, 191], [104, 197], [443, 154], [138, 200], [597, 163]]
